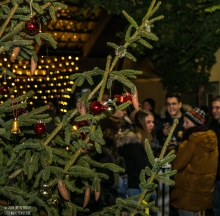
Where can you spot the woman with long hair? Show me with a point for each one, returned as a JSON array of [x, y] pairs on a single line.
[[130, 143]]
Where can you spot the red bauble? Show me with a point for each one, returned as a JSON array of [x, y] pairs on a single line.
[[32, 26], [96, 107], [4, 89], [82, 123], [40, 128], [124, 98], [22, 111]]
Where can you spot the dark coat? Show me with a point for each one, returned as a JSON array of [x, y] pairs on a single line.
[[130, 148], [215, 126], [196, 165]]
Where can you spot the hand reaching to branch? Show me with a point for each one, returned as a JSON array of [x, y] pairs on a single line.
[[81, 107]]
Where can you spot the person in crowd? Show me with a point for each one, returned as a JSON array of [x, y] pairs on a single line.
[[196, 166], [110, 127], [130, 145], [173, 111], [207, 116], [215, 126], [149, 105], [53, 112]]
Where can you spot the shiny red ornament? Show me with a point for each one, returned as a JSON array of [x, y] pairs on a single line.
[[124, 98], [4, 89], [82, 123], [96, 107], [40, 128], [32, 26], [83, 135]]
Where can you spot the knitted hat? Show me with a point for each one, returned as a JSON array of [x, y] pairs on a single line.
[[197, 116]]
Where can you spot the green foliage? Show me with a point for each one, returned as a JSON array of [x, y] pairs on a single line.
[[189, 38], [63, 160]]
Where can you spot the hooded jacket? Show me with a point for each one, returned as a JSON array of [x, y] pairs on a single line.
[[135, 158], [196, 165]]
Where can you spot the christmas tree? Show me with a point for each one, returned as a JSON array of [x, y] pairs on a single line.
[[46, 172]]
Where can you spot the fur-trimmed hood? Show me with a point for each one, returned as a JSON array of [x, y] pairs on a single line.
[[127, 137]]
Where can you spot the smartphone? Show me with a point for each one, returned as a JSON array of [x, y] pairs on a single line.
[[166, 124]]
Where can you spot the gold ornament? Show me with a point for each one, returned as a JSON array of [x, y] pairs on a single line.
[[15, 53], [33, 65], [55, 202], [110, 109], [15, 129], [45, 192]]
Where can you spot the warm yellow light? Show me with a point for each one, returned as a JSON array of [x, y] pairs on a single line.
[[47, 66], [16, 66], [5, 59], [24, 92], [39, 67], [28, 86], [53, 66], [70, 70], [13, 84], [60, 65], [15, 90], [67, 63], [30, 102], [42, 61], [9, 65], [54, 78], [21, 87], [74, 36], [72, 63], [77, 68], [24, 66], [12, 96], [48, 78], [69, 57], [71, 82], [32, 79], [55, 59], [9, 77], [52, 96], [0, 64], [51, 73], [35, 86], [14, 71], [62, 58], [77, 58], [24, 80]]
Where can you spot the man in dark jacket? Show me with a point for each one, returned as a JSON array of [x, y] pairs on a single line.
[[215, 126], [174, 111]]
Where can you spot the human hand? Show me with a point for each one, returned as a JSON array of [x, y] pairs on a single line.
[[81, 107]]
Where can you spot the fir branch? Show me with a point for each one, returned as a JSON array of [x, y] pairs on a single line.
[[105, 77], [130, 19], [4, 2], [8, 19]]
